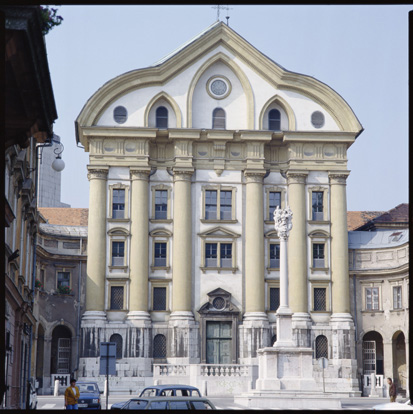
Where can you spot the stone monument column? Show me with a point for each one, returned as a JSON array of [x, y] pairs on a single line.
[[283, 225], [139, 248], [96, 261], [254, 331], [297, 258]]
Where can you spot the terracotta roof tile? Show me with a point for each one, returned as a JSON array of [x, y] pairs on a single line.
[[65, 216], [356, 219]]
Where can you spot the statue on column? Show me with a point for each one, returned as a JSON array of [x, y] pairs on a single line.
[[283, 222]]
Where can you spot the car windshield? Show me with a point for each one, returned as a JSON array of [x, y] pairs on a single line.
[[87, 388], [136, 405]]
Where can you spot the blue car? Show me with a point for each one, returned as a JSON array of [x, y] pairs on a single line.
[[89, 396]]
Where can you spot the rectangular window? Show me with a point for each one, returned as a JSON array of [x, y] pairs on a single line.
[[211, 256], [273, 202], [210, 204], [320, 299], [118, 253], [225, 205], [372, 298], [318, 255], [116, 297], [159, 298], [226, 254], [63, 279], [274, 256], [274, 298], [161, 204], [317, 205], [160, 254], [397, 297], [118, 204]]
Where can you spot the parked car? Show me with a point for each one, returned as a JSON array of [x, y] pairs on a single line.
[[89, 396], [167, 390], [32, 398], [167, 403]]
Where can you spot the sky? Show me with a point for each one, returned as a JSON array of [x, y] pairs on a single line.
[[360, 51]]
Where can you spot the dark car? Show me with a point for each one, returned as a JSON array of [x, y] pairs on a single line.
[[167, 390], [89, 396], [167, 403]]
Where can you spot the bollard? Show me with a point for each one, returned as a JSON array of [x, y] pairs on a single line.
[[204, 388], [56, 388], [105, 388]]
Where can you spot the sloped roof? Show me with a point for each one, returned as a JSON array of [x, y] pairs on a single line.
[[65, 216], [396, 217], [356, 219]]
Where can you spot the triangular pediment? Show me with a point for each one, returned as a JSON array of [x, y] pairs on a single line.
[[219, 232]]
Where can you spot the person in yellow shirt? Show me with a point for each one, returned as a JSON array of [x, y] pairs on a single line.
[[72, 395]]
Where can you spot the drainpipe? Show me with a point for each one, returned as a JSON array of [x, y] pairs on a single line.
[[78, 315]]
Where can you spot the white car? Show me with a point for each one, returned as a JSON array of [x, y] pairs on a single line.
[[394, 406]]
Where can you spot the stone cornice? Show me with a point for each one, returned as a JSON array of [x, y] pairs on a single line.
[[338, 177], [139, 173], [97, 172], [296, 177]]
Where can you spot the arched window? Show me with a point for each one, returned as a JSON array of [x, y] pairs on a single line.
[[321, 347], [218, 118], [161, 117], [118, 341], [274, 120], [159, 346]]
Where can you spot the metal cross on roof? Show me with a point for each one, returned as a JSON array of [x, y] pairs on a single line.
[[220, 7]]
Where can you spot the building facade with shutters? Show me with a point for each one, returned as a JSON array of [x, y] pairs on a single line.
[[188, 160]]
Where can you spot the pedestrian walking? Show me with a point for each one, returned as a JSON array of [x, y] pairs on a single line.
[[72, 395], [392, 390]]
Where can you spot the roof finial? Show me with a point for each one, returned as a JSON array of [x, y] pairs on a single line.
[[220, 7]]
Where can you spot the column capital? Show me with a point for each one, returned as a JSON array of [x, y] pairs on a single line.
[[99, 173], [254, 176], [296, 177], [182, 174], [139, 173], [338, 177]]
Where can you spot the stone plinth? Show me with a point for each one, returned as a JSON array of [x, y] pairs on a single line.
[[286, 368]]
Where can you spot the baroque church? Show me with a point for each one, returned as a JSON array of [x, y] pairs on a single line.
[[189, 158]]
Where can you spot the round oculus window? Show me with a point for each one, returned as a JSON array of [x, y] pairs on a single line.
[[317, 119], [219, 88], [219, 303], [120, 114]]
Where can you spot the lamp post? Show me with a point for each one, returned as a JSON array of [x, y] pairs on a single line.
[[58, 165]]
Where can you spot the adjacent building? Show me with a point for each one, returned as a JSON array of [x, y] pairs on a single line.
[[29, 115], [188, 160]]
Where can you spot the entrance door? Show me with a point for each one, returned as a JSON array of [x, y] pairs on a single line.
[[219, 342], [63, 355], [369, 357]]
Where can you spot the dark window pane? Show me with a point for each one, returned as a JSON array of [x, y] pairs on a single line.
[[116, 297], [161, 204], [118, 205], [274, 298], [120, 114], [320, 300], [161, 117], [211, 255], [160, 254], [274, 120], [321, 347], [159, 298], [226, 254], [274, 201], [225, 205], [210, 205], [159, 346], [218, 119], [118, 341], [317, 205], [318, 255], [118, 253]]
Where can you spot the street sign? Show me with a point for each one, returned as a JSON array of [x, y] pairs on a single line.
[[107, 358], [323, 362]]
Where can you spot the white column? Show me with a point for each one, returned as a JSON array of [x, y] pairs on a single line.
[[139, 249], [96, 261]]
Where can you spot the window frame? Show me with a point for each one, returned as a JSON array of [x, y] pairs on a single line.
[[63, 270], [274, 120], [118, 235], [154, 189], [326, 287], [326, 213], [116, 283], [272, 189], [160, 284], [215, 118], [365, 298], [162, 118], [398, 287], [322, 238], [272, 285], [219, 188], [118, 186], [160, 236]]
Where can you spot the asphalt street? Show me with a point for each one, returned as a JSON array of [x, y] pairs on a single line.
[[49, 402]]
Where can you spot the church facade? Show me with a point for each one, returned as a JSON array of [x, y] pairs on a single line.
[[189, 158]]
